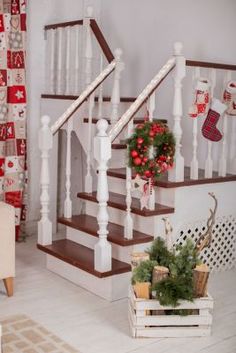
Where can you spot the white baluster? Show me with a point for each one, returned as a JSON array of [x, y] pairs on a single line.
[[128, 224], [151, 106], [209, 160], [68, 52], [88, 47], [52, 42], [100, 96], [194, 162], [77, 39], [115, 97], [88, 177], [177, 173], [59, 61], [45, 145], [68, 202], [102, 154]]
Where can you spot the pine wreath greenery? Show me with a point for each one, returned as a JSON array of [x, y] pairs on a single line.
[[156, 134], [143, 272]]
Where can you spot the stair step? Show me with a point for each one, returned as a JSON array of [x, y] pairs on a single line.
[[118, 201], [74, 97], [119, 146], [88, 224], [165, 183], [81, 257], [136, 120]]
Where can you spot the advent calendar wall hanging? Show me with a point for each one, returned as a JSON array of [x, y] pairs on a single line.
[[13, 106]]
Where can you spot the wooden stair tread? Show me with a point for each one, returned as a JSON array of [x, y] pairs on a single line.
[[88, 224], [165, 183], [81, 257], [74, 97], [136, 120], [118, 201]]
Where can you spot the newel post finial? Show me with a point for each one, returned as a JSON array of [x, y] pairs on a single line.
[[89, 11], [178, 48]]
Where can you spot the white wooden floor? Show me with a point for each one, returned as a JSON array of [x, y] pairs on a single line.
[[93, 325]]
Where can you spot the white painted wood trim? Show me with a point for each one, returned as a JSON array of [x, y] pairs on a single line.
[[77, 60], [88, 177], [115, 97], [68, 59], [68, 201], [59, 88]]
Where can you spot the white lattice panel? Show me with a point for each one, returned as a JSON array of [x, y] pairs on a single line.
[[221, 254]]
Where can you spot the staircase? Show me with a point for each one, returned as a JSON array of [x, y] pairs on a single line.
[[96, 250]]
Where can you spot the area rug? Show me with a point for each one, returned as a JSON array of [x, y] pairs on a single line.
[[23, 335]]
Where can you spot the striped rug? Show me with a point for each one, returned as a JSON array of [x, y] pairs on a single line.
[[20, 334]]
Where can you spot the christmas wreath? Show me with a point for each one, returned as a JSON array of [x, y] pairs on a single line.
[[156, 134]]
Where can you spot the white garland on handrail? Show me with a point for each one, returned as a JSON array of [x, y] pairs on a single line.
[[118, 127], [83, 96]]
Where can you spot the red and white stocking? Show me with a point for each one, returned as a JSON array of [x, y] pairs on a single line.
[[209, 129], [202, 98], [229, 97]]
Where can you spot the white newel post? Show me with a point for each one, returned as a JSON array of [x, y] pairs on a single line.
[[102, 154], [68, 202], [115, 97], [59, 61], [177, 173], [88, 47], [151, 106], [68, 52], [128, 224], [45, 145]]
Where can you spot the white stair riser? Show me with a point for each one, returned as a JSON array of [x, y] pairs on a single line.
[[110, 288], [164, 196], [118, 159], [122, 253], [149, 225]]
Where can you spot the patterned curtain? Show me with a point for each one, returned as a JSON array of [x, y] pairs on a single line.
[[13, 107]]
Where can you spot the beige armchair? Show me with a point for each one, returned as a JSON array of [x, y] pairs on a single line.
[[7, 246]]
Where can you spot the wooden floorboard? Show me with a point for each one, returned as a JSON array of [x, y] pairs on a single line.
[[164, 182], [82, 257], [118, 201], [89, 224]]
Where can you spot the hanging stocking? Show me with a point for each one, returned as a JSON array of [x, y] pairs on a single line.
[[209, 129], [201, 103], [229, 97]]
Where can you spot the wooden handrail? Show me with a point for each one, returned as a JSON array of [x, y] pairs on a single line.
[[210, 65], [64, 24], [146, 93], [101, 40], [83, 97]]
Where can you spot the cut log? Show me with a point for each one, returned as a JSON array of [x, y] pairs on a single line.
[[137, 258], [200, 280], [142, 290]]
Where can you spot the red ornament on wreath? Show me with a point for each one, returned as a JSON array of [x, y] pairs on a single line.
[[151, 134]]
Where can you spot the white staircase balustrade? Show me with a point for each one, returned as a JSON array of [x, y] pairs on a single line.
[[77, 61], [68, 60], [224, 145], [88, 177], [151, 106], [68, 202], [194, 162], [128, 224], [102, 154], [88, 47], [209, 160], [59, 87], [45, 145], [177, 173], [100, 95], [115, 97]]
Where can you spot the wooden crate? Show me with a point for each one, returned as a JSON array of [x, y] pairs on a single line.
[[144, 324]]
